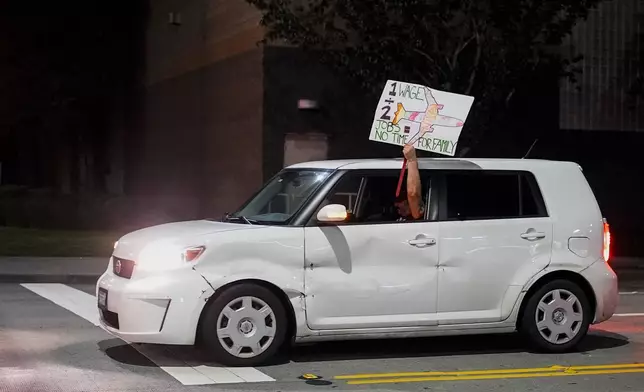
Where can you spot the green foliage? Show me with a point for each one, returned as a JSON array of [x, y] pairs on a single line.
[[484, 48]]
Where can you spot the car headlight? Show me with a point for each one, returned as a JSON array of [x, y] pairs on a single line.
[[163, 256]]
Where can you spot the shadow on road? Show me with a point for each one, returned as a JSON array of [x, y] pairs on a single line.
[[122, 352], [437, 347], [359, 350]]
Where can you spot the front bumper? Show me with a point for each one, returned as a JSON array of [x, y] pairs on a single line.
[[603, 280], [162, 308]]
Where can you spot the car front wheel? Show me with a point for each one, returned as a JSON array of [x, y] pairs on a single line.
[[557, 316], [244, 326]]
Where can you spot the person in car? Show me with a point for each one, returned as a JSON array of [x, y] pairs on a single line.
[[409, 203]]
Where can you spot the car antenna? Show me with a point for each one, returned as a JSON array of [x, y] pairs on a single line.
[[530, 149]]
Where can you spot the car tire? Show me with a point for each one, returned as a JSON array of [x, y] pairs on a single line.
[[235, 319], [552, 320]]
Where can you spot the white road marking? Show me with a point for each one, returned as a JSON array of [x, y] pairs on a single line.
[[629, 315], [250, 374], [222, 375], [182, 372], [84, 305], [76, 301]]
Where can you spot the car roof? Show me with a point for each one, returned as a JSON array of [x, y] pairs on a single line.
[[432, 163]]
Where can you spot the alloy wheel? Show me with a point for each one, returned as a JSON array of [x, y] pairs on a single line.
[[559, 316], [246, 327]]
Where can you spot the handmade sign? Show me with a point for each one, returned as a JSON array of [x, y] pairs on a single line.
[[426, 118]]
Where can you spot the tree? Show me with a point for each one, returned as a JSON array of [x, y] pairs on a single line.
[[484, 48]]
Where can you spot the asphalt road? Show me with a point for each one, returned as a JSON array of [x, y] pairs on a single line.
[[49, 342]]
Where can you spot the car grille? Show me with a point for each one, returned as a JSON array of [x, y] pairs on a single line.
[[122, 267]]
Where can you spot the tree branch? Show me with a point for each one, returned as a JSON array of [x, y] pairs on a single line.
[[475, 66]]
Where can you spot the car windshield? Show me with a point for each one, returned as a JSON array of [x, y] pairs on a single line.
[[280, 198]]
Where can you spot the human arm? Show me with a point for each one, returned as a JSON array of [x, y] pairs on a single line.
[[414, 190]]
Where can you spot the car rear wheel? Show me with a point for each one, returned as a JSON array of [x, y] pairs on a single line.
[[556, 317], [244, 326]]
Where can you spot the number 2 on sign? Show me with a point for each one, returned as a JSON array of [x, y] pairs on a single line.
[[385, 115]]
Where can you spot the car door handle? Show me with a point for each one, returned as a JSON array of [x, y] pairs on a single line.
[[420, 242], [533, 235]]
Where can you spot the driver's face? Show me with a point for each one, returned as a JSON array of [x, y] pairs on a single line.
[[403, 208]]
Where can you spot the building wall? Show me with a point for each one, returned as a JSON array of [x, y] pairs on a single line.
[[220, 111], [200, 150], [344, 114], [210, 31], [609, 40], [602, 126]]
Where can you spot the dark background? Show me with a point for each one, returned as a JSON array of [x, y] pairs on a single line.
[[116, 119]]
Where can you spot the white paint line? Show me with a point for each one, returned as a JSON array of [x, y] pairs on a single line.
[[76, 301], [629, 315], [219, 375], [187, 375], [84, 305], [182, 372], [250, 374]]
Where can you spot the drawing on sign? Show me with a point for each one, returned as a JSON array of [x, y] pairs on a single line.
[[429, 119]]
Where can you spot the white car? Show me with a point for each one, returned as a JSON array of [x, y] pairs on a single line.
[[317, 254]]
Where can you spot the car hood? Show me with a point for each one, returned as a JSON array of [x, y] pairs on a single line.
[[179, 233]]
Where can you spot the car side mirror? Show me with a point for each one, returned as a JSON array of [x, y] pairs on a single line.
[[333, 213]]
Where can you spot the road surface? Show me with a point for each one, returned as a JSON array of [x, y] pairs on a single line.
[[49, 342]]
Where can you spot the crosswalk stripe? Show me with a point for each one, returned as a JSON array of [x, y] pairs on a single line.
[[250, 374], [76, 301], [84, 305], [182, 372], [221, 375]]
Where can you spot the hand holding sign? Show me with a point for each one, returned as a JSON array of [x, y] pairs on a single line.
[[425, 118], [409, 152]]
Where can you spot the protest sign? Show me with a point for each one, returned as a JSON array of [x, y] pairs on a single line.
[[429, 119]]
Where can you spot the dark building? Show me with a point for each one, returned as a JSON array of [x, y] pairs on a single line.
[[601, 124], [221, 113]]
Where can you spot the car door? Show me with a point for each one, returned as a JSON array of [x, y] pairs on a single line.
[[495, 234], [371, 272]]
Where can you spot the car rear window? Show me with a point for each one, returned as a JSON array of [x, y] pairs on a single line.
[[492, 195]]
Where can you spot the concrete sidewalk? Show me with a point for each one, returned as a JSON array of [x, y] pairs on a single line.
[[69, 270]]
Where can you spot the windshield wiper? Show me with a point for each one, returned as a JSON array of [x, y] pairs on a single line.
[[240, 217]]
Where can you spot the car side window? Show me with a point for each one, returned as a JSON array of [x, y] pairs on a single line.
[[345, 192], [370, 197], [492, 195]]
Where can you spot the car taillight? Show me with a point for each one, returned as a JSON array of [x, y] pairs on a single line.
[[191, 254], [606, 249]]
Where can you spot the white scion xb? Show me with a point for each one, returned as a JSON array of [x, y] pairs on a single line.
[[319, 254]]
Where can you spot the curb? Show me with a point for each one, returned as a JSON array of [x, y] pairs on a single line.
[[63, 279]]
